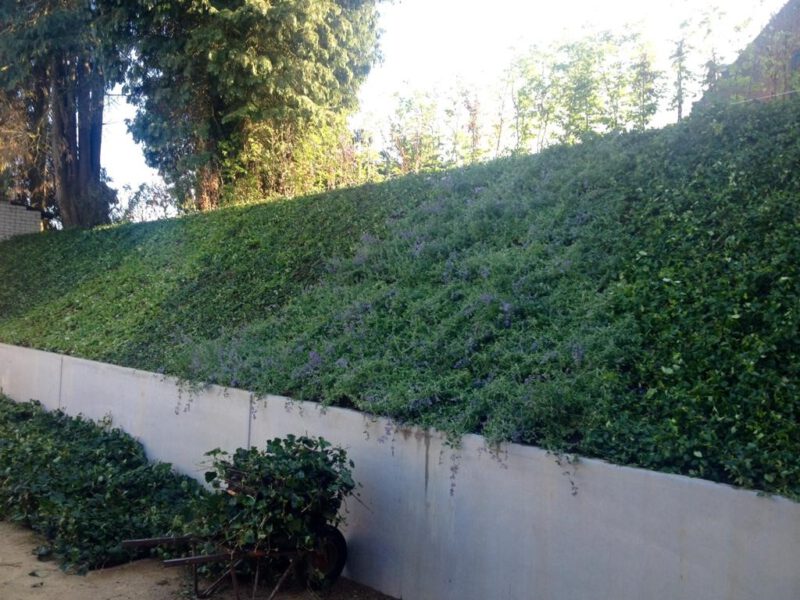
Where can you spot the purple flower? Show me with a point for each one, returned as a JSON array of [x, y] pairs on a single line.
[[578, 354], [314, 360]]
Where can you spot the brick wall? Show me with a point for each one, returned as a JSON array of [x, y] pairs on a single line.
[[16, 220]]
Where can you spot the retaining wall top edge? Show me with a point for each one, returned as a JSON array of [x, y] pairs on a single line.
[[467, 443], [12, 347]]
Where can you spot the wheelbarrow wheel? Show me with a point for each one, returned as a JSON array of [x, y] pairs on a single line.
[[327, 561]]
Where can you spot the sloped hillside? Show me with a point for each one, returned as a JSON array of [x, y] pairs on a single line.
[[635, 298]]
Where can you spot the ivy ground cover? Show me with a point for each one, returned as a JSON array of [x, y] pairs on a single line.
[[84, 486], [634, 298]]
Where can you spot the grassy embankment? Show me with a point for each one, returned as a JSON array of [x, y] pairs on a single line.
[[635, 298]]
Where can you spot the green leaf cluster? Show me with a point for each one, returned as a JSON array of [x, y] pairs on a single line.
[[632, 298], [278, 498], [84, 486]]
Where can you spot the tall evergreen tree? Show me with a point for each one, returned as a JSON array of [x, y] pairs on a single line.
[[207, 76], [646, 89], [681, 71]]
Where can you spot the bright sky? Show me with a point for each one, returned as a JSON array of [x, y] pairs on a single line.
[[432, 44]]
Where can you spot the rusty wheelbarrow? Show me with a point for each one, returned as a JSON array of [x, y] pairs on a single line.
[[322, 565]]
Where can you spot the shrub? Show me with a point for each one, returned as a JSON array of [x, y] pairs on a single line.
[[277, 498], [84, 486]]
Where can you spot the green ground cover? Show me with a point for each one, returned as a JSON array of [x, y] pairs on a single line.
[[84, 486], [634, 298]]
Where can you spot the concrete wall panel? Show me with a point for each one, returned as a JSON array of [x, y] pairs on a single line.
[[174, 425], [27, 374], [436, 522]]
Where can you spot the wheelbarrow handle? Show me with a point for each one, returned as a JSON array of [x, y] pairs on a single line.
[[159, 541], [200, 559]]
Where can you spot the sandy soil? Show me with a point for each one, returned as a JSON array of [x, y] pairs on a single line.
[[24, 577]]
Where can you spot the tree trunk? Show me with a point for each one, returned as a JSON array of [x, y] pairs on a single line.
[[209, 187], [95, 195], [96, 125], [64, 145], [39, 185], [77, 95]]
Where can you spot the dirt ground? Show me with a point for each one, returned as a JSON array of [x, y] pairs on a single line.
[[24, 577]]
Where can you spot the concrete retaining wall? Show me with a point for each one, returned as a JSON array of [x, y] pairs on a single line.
[[17, 220], [438, 523]]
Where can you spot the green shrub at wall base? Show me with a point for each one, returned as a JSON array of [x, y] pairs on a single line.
[[278, 498], [85, 487]]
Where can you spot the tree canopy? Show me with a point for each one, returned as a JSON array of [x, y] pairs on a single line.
[[213, 81]]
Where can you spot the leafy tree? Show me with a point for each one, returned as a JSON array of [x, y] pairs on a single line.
[[708, 33], [499, 124], [206, 76], [767, 68], [285, 160], [415, 142], [213, 79], [535, 98], [616, 78], [150, 202], [581, 108], [681, 72], [472, 105], [25, 170], [631, 83], [780, 62], [646, 88], [602, 82], [463, 142], [15, 150]]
